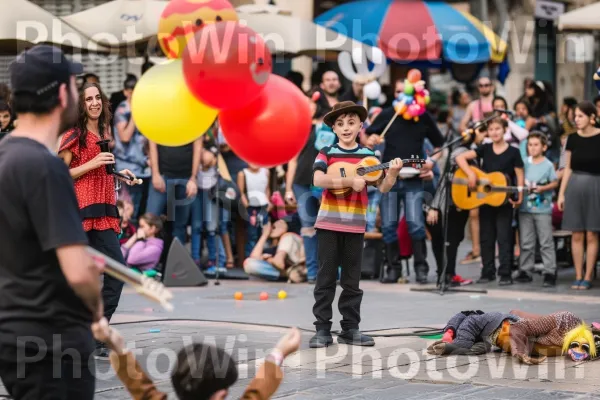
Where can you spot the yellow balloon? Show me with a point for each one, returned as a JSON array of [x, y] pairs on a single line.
[[165, 111]]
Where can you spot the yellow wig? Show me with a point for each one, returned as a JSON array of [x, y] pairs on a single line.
[[576, 335]]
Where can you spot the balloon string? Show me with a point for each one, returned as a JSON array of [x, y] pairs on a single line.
[[387, 128]]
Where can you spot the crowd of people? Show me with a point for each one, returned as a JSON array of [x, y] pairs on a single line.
[[269, 228], [285, 222]]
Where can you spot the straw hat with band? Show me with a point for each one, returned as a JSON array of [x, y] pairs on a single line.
[[345, 107]]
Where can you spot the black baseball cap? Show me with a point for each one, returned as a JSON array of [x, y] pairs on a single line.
[[41, 70]]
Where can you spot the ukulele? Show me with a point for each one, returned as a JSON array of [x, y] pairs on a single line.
[[492, 189], [369, 168]]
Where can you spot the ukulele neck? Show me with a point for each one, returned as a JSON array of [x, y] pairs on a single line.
[[368, 170], [410, 162]]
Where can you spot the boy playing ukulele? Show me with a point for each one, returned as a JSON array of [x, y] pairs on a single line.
[[341, 226]]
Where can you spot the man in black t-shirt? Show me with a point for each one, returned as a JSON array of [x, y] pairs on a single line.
[[49, 285], [405, 139], [174, 183]]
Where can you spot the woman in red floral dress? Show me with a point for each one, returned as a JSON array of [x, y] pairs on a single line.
[[95, 188]]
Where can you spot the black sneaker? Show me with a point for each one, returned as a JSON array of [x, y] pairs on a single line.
[[486, 279], [321, 339], [102, 353], [549, 280], [354, 337], [505, 281], [524, 277]]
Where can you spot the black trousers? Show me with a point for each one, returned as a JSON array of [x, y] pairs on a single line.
[[107, 243], [338, 249], [49, 378], [457, 220], [495, 225]]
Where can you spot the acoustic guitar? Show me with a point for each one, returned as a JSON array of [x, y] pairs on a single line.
[[369, 168], [492, 189]]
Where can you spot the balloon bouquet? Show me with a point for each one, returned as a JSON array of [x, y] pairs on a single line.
[[413, 101], [219, 68]]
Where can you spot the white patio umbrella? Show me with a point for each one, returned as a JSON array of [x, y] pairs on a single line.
[[290, 35], [121, 22], [581, 19], [23, 24]]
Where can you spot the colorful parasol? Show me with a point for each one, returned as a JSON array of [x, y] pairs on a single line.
[[417, 30]]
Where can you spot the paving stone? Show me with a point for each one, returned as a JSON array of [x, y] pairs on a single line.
[[369, 384], [465, 389], [542, 395], [504, 393]]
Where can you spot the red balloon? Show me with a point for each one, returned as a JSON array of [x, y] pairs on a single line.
[[226, 65], [271, 130]]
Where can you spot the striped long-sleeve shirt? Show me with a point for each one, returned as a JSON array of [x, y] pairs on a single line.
[[347, 214]]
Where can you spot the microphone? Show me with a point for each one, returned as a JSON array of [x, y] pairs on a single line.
[[110, 168], [510, 113]]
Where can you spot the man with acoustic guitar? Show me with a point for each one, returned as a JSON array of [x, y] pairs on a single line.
[[495, 221], [341, 223]]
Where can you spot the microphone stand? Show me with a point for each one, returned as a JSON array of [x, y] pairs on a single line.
[[447, 180], [218, 239]]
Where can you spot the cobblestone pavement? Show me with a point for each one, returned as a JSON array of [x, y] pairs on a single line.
[[396, 368]]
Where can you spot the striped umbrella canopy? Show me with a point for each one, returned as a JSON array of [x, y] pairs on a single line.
[[417, 31]]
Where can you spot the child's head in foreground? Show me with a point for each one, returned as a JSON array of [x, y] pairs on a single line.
[[203, 372]]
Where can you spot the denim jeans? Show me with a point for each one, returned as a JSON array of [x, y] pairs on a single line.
[[308, 208], [261, 269], [205, 216], [136, 193], [177, 205], [411, 194], [254, 226], [374, 200]]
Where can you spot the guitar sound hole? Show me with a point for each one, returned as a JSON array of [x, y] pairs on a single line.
[[360, 171], [487, 188], [342, 172]]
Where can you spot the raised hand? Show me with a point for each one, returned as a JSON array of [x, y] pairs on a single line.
[[289, 343]]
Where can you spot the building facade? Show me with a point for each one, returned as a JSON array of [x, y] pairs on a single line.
[[537, 49]]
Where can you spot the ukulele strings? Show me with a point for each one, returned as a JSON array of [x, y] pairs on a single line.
[[368, 170]]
